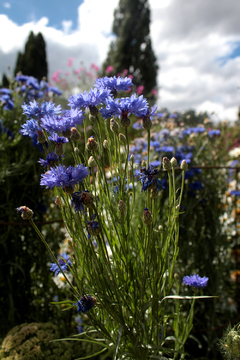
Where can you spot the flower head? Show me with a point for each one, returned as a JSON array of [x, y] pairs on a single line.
[[64, 263], [64, 177], [26, 213], [85, 303], [93, 227], [59, 123], [114, 83], [95, 97], [40, 110], [80, 198], [196, 281], [148, 178], [50, 160]]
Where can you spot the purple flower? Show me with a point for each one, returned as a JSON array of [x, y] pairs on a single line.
[[80, 198], [148, 178], [8, 104], [40, 110], [64, 177], [114, 83], [64, 262], [58, 139], [58, 123], [95, 97], [125, 106], [196, 281], [50, 160], [85, 303], [30, 128]]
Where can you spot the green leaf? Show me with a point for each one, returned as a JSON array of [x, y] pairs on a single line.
[[118, 341]]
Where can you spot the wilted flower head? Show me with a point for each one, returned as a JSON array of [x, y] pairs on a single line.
[[64, 262], [80, 198], [148, 178], [26, 213], [85, 303], [196, 281], [147, 217], [93, 227]]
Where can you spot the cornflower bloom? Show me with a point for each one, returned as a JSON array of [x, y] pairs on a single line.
[[30, 128], [123, 107], [148, 178], [196, 281], [40, 110], [114, 84], [50, 160], [62, 123], [92, 99], [64, 263], [60, 176], [85, 303]]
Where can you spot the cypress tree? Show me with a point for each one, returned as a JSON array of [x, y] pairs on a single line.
[[33, 61], [132, 49]]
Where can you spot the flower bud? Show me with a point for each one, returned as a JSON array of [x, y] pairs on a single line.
[[76, 150], [114, 126], [26, 213], [57, 201], [147, 217], [132, 158], [173, 162], [41, 137], [75, 135], [166, 164], [146, 123], [160, 228], [91, 145], [59, 149], [91, 162], [184, 165], [121, 206], [105, 144], [93, 228], [125, 121], [122, 138], [143, 164], [87, 199]]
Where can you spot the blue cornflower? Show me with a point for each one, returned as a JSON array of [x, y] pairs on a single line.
[[5, 91], [80, 198], [196, 281], [8, 104], [21, 78], [58, 139], [235, 192], [62, 123], [40, 110], [64, 263], [33, 83], [196, 185], [93, 227], [64, 177], [50, 160], [148, 178], [85, 303], [214, 132], [94, 98], [30, 128], [125, 106], [151, 113], [114, 83]]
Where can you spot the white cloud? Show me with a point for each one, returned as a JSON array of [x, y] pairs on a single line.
[[192, 41], [7, 5]]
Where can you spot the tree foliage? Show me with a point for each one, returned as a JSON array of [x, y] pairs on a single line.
[[33, 60], [132, 49]]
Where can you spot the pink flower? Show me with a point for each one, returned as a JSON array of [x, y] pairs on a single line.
[[130, 76], [154, 92], [125, 72], [70, 60], [109, 69], [67, 73], [95, 67], [140, 89]]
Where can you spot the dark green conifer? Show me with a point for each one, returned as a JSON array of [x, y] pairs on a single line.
[[132, 49], [33, 61]]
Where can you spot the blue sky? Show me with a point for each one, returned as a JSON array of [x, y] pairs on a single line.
[[23, 11]]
